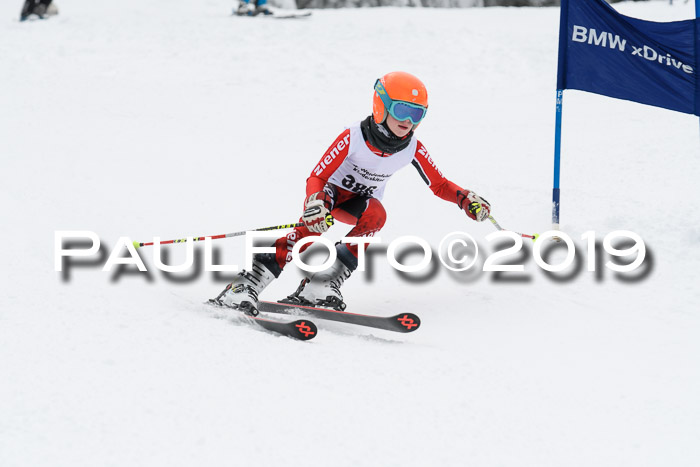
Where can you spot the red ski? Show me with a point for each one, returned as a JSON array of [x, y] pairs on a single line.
[[403, 322], [302, 329]]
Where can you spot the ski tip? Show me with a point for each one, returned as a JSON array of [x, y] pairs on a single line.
[[407, 322], [304, 329]]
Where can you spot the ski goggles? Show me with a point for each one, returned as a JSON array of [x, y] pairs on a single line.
[[400, 110]]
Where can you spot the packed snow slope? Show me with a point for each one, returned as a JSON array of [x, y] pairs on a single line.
[[141, 119]]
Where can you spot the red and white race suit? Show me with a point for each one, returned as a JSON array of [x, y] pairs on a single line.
[[356, 174]]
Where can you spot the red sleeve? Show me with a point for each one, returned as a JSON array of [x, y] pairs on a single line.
[[329, 163], [432, 176]]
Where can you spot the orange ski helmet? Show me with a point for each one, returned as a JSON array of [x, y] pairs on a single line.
[[400, 86]]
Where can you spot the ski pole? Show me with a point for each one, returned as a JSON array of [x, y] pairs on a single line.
[[329, 222], [216, 237], [533, 237]]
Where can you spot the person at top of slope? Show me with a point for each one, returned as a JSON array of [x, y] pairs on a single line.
[[348, 184], [39, 8], [256, 7]]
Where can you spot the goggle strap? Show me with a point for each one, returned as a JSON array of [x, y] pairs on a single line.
[[383, 95]]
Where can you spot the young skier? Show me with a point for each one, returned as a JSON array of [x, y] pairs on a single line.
[[256, 7], [40, 8], [347, 184]]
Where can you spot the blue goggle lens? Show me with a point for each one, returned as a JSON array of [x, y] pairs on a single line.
[[404, 111]]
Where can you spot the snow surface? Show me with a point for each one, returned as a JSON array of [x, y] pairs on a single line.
[[139, 119]]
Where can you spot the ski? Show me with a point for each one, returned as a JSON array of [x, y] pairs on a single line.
[[305, 14], [278, 15], [301, 329], [403, 322]]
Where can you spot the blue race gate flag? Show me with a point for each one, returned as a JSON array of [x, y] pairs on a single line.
[[604, 52]]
